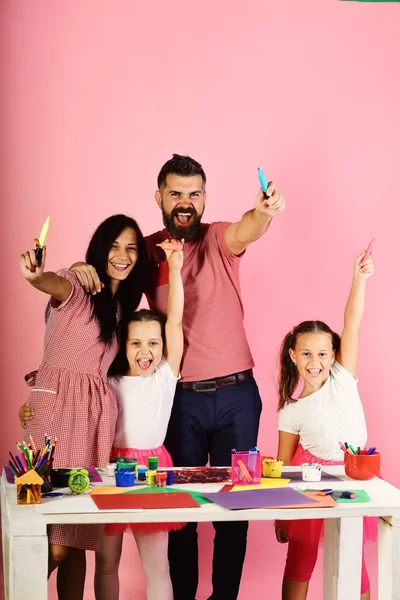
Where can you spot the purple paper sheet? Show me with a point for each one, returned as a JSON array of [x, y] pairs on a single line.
[[296, 476], [259, 498], [94, 476]]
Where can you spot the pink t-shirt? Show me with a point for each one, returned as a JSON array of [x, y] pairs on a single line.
[[215, 339]]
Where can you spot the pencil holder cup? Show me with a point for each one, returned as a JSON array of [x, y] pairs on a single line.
[[246, 468], [47, 483], [362, 466], [271, 467], [29, 488], [29, 494], [59, 477], [125, 478]]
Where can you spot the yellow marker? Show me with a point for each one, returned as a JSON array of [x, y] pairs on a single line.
[[43, 233]]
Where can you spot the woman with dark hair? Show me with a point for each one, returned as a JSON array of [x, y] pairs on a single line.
[[71, 397]]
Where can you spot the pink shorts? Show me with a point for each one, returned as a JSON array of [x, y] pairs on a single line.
[[142, 456], [305, 535]]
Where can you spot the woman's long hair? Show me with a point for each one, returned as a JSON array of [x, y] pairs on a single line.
[[130, 290]]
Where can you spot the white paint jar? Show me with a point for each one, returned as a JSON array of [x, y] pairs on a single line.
[[111, 469], [311, 471]]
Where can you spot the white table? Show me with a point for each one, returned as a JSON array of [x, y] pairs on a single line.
[[25, 549]]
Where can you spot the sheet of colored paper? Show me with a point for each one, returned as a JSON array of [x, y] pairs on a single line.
[[297, 476], [198, 496], [266, 483], [145, 501], [361, 496], [273, 498], [106, 489], [94, 475]]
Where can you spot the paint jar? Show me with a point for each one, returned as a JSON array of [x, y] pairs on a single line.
[[170, 477], [151, 478], [111, 469], [126, 463], [153, 463], [161, 479], [141, 473], [272, 467], [140, 467], [246, 468], [124, 478], [362, 466], [311, 471]]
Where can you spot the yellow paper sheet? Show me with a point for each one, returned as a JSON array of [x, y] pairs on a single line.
[[106, 489], [266, 482]]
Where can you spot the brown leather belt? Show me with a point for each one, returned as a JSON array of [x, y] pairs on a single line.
[[212, 385]]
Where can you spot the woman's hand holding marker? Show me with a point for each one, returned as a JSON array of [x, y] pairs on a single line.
[[29, 265]]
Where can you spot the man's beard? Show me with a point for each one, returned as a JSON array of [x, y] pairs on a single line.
[[177, 232]]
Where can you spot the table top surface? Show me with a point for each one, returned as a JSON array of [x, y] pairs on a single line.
[[32, 520]]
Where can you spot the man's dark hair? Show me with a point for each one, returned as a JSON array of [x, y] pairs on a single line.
[[180, 165]]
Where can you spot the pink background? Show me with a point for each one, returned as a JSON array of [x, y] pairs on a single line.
[[97, 95]]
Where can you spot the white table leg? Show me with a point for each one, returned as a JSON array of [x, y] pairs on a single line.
[[27, 567], [342, 558], [389, 559]]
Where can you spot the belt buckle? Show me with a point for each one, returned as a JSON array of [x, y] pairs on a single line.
[[205, 386]]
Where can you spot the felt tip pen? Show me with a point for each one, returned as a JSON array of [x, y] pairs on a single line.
[[52, 495], [342, 446], [347, 495], [371, 450], [42, 239], [368, 251], [263, 181], [352, 449]]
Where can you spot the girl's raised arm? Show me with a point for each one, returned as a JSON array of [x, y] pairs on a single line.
[[173, 349], [347, 355]]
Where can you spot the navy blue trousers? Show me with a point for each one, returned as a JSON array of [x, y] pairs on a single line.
[[205, 426]]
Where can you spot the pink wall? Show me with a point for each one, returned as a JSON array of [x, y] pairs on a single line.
[[97, 95]]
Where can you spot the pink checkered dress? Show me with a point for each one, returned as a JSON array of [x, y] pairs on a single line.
[[73, 400]]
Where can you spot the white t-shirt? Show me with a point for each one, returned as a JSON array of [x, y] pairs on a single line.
[[144, 408], [331, 415]]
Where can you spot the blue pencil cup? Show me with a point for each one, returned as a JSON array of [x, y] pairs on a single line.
[[124, 478]]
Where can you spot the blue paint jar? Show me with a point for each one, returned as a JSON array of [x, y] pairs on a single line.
[[141, 473], [124, 478]]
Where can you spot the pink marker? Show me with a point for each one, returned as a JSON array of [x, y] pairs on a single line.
[[368, 250]]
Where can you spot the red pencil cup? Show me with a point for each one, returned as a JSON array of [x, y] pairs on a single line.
[[246, 468], [362, 466]]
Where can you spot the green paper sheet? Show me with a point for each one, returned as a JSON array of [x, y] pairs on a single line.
[[362, 496], [150, 489]]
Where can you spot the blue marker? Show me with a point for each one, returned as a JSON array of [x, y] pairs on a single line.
[[52, 495], [263, 181]]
